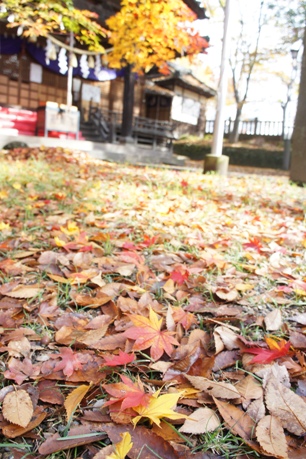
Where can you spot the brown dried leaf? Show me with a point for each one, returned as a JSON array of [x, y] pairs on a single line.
[[50, 393], [81, 435], [13, 430], [228, 337], [287, 406], [249, 388], [238, 421], [146, 444], [271, 437], [256, 410], [18, 408], [201, 421], [273, 320], [298, 340], [24, 291], [19, 348], [225, 359], [110, 342], [226, 295], [216, 389]]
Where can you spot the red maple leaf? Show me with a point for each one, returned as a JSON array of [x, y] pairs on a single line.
[[147, 333], [69, 362], [184, 184], [122, 359], [179, 275], [148, 241], [129, 246], [130, 393], [254, 243], [275, 351]]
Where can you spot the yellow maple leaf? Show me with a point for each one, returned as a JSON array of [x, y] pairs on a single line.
[[71, 228], [59, 242], [17, 186], [121, 448], [159, 407], [4, 226], [3, 194]]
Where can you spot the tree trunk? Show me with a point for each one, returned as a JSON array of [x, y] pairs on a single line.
[[128, 105], [298, 153], [234, 135]]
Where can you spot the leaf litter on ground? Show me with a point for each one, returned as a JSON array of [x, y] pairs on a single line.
[[149, 312]]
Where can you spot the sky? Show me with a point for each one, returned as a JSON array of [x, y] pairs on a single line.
[[267, 90]]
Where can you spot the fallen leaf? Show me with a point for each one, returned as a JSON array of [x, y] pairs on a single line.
[[159, 406], [249, 388], [122, 359], [145, 442], [228, 337], [122, 448], [287, 406], [271, 437], [201, 421], [13, 430], [69, 361], [147, 333], [256, 410], [279, 349], [74, 398], [129, 393], [238, 421], [18, 408], [24, 291], [273, 320], [77, 436], [213, 388]]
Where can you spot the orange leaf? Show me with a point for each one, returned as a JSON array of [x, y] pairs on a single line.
[[147, 333], [74, 398], [131, 394]]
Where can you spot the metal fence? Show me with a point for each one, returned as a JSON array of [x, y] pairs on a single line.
[[253, 127]]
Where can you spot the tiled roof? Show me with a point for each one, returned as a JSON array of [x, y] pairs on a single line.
[[188, 81]]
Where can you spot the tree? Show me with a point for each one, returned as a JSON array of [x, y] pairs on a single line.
[[146, 34], [242, 64], [38, 18], [298, 154], [291, 20]]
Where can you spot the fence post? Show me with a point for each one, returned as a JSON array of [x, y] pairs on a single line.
[[255, 125]]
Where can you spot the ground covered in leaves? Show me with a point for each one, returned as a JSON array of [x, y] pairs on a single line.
[[149, 313]]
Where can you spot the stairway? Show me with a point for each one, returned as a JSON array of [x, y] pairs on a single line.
[[90, 132]]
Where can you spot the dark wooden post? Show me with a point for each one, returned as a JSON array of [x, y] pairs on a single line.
[[128, 106]]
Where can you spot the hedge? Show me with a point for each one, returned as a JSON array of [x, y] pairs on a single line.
[[239, 156]]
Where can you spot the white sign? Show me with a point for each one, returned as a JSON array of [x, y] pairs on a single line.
[[91, 93], [185, 110], [35, 73], [62, 120]]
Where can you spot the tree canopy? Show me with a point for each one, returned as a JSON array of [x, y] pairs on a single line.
[[147, 33], [144, 33], [39, 18]]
